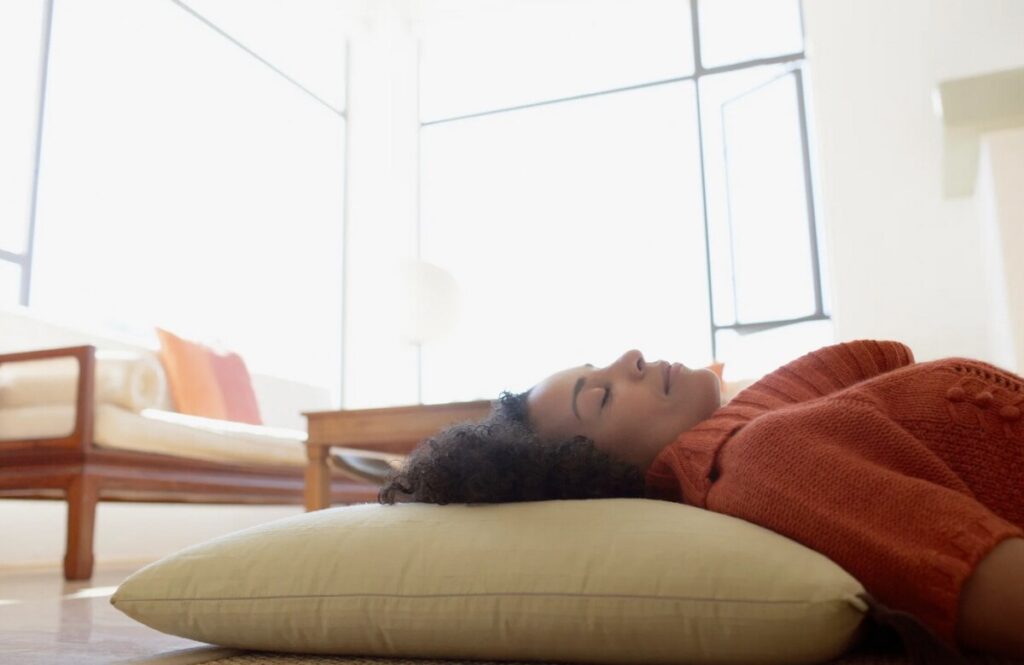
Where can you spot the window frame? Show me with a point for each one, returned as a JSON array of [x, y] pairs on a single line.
[[23, 259]]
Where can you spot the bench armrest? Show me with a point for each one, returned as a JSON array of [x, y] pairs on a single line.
[[81, 436]]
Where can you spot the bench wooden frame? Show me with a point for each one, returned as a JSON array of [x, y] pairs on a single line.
[[72, 468], [392, 429]]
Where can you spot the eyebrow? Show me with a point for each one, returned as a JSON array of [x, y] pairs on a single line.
[[576, 391]]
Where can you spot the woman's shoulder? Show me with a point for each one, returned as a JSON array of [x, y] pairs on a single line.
[[827, 370], [847, 363], [868, 356]]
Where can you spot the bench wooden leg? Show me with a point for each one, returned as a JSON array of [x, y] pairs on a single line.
[[82, 495], [318, 478]]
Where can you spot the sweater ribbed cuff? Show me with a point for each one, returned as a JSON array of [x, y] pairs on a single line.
[[946, 571]]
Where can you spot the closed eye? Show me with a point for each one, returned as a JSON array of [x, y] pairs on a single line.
[[607, 396]]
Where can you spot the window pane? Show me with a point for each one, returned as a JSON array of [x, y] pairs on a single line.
[[21, 42], [480, 56], [305, 40], [738, 30], [10, 283], [189, 186], [768, 203], [757, 197], [573, 231]]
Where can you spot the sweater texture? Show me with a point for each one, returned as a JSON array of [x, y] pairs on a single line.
[[904, 474]]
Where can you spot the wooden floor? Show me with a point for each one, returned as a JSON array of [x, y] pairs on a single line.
[[45, 620]]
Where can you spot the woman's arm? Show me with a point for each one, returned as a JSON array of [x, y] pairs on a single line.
[[991, 614], [879, 506]]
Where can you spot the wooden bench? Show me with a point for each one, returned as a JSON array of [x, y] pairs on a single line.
[[73, 469]]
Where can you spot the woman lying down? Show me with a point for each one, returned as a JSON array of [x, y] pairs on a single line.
[[910, 476]]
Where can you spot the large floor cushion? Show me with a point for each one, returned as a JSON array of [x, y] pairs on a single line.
[[600, 581]]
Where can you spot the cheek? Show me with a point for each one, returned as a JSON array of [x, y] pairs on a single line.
[[638, 422], [662, 428], [617, 447], [626, 432]]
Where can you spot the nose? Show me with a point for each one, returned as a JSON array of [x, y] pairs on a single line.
[[631, 363]]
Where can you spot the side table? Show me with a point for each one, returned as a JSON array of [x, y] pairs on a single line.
[[391, 431]]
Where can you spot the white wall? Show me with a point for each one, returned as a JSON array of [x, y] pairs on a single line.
[[906, 263]]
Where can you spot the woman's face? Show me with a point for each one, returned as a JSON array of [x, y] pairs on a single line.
[[631, 409]]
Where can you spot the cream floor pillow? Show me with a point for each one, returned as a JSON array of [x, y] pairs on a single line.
[[600, 581]]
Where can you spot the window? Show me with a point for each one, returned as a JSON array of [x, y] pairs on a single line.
[[602, 175], [584, 175], [192, 176]]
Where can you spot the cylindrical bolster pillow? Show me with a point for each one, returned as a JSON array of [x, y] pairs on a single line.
[[130, 379]]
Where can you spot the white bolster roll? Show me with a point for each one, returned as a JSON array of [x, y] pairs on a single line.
[[131, 379]]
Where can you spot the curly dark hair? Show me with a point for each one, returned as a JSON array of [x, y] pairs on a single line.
[[501, 459]]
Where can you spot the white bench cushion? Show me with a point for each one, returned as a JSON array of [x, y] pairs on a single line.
[[164, 432], [194, 437]]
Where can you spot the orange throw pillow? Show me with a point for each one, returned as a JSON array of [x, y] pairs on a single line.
[[236, 388], [206, 383], [718, 368]]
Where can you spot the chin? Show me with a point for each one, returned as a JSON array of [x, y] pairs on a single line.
[[714, 391]]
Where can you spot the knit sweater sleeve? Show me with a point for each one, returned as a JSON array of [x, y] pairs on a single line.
[[846, 481]]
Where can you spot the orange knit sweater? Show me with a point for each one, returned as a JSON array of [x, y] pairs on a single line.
[[905, 474]]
